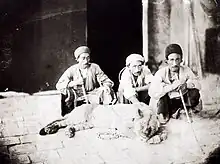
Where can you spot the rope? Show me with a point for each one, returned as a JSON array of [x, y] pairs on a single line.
[[110, 135]]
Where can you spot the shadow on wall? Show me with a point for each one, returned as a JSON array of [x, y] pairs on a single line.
[[212, 50], [13, 67], [153, 65], [41, 38]]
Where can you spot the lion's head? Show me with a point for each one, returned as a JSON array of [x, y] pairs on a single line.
[[146, 124]]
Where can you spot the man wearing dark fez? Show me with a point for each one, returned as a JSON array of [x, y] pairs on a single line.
[[168, 81]]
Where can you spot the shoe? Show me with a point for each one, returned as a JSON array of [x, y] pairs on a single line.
[[198, 108], [162, 119], [49, 129], [176, 114]]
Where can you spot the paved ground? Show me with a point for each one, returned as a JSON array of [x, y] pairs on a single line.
[[21, 118]]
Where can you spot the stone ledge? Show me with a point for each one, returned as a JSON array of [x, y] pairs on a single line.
[[9, 141], [22, 149], [13, 94], [46, 93], [24, 159]]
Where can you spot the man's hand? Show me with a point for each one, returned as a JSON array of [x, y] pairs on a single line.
[[182, 88], [177, 84], [143, 88], [190, 84], [75, 83], [107, 88]]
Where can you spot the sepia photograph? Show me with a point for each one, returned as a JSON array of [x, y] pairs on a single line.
[[109, 81]]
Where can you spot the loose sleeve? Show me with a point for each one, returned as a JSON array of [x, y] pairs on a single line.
[[102, 77], [193, 79], [64, 81], [126, 84], [158, 88]]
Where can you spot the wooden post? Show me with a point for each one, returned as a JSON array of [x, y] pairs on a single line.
[[187, 31], [145, 28], [159, 28], [196, 40]]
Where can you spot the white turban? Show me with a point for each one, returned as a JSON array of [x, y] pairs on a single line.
[[134, 57], [80, 50]]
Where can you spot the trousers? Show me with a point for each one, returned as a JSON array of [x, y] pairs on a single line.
[[168, 106]]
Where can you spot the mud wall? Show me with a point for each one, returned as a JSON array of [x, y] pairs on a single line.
[[37, 40], [170, 21]]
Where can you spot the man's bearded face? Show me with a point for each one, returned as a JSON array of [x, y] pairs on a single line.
[[174, 61]]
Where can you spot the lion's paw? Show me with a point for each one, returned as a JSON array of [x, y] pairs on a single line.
[[154, 140]]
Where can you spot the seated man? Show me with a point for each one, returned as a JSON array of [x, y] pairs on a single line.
[[82, 82], [167, 83], [134, 81]]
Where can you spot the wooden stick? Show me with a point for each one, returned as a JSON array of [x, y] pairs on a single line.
[[84, 94], [189, 121], [83, 88], [184, 106]]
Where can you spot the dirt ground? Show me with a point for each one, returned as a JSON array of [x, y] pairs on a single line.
[[22, 116]]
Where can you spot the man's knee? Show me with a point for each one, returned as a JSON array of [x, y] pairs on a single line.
[[144, 97], [193, 97], [66, 105], [162, 105]]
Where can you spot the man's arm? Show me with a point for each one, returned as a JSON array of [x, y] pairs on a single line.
[[158, 88], [129, 91], [142, 88], [192, 81], [64, 81], [147, 80], [133, 99], [102, 77]]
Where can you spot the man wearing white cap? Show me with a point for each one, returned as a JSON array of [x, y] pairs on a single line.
[[84, 78], [135, 80]]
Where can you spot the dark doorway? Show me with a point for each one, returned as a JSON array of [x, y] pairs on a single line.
[[212, 50], [114, 32]]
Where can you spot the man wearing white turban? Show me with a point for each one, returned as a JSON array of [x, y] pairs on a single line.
[[135, 81], [84, 78]]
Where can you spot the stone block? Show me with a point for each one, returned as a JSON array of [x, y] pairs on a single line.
[[12, 119], [42, 156], [22, 149], [91, 159], [60, 161], [49, 145], [24, 159], [33, 129], [32, 118], [29, 138], [72, 153], [14, 131], [9, 141]]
